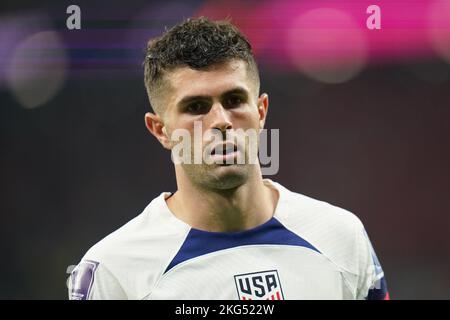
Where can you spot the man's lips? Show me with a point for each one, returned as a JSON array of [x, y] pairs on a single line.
[[222, 149], [224, 153]]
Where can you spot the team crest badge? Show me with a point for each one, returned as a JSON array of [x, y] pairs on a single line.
[[263, 285]]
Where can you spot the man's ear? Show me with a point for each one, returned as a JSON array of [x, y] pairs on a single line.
[[156, 126], [263, 107]]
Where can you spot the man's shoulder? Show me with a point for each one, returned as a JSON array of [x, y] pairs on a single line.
[[334, 231], [308, 211], [148, 231], [143, 247]]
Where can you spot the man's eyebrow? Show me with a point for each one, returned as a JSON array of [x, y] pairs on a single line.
[[186, 100], [237, 90]]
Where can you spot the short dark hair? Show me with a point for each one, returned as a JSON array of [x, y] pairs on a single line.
[[198, 43]]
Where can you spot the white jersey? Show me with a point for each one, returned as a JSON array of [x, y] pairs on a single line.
[[309, 249]]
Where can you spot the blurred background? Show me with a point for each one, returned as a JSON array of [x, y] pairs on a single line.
[[364, 119]]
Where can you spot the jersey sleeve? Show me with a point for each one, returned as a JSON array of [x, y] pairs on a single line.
[[372, 284], [91, 280]]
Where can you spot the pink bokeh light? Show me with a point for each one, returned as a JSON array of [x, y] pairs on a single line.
[[410, 30]]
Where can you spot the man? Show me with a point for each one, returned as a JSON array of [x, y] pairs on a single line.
[[226, 233]]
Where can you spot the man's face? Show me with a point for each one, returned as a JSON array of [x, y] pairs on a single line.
[[222, 98]]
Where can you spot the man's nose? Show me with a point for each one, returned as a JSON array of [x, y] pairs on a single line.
[[219, 118]]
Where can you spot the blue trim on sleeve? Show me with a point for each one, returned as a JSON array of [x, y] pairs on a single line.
[[200, 242], [379, 292]]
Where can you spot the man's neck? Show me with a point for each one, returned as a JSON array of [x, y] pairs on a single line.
[[242, 208]]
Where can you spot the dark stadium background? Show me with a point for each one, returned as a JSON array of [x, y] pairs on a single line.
[[81, 163]]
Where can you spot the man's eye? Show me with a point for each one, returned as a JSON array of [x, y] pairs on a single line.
[[196, 108], [233, 101]]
